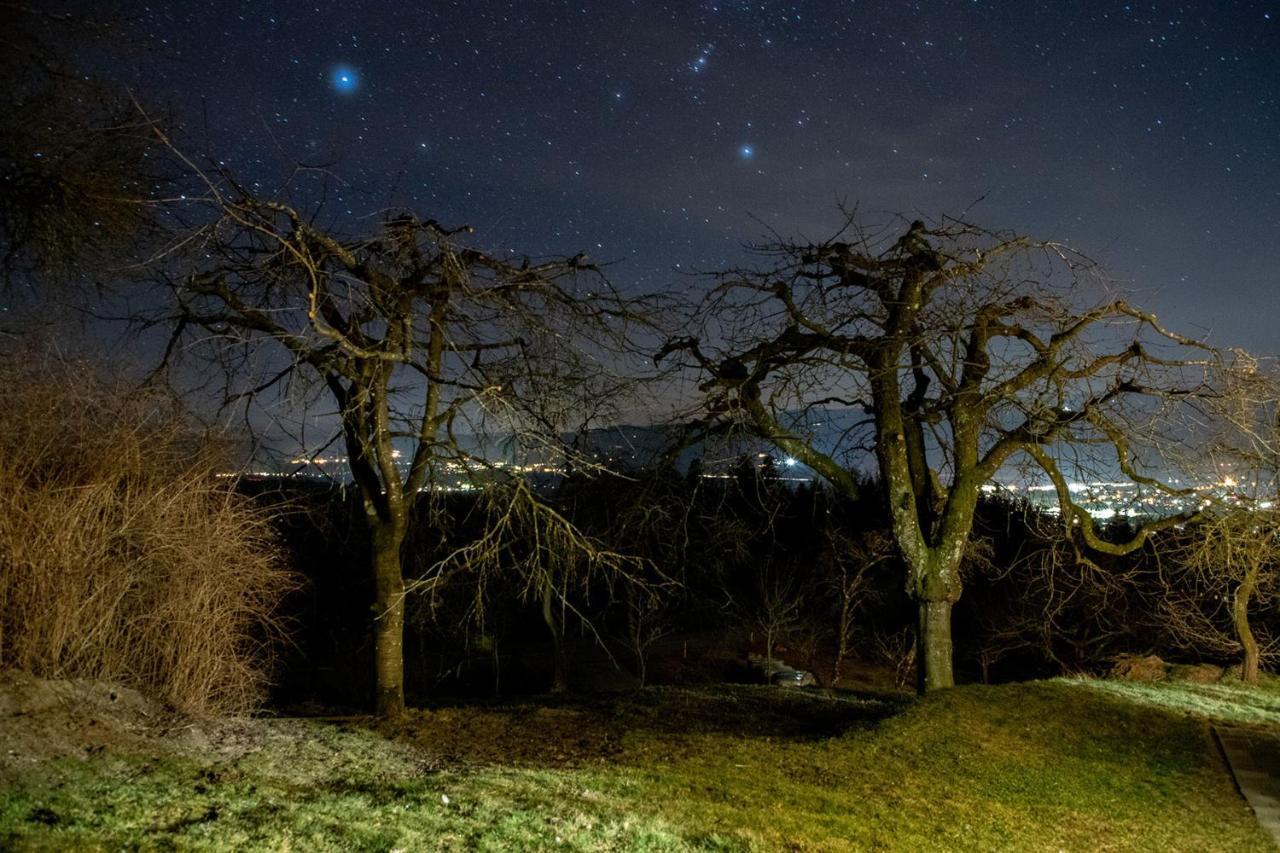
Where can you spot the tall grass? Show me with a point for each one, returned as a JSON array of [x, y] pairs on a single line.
[[122, 556]]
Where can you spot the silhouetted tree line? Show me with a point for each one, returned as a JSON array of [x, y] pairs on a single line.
[[737, 566]]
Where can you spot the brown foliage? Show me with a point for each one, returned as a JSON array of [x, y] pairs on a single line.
[[1139, 668], [122, 556]]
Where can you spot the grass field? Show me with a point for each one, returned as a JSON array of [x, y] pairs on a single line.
[[1057, 765]]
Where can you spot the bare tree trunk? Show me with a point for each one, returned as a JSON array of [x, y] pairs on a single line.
[[560, 674], [934, 644], [642, 667], [497, 670], [1244, 633], [388, 622], [842, 643], [636, 633]]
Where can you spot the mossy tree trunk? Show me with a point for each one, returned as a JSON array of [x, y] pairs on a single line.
[[388, 620], [931, 525], [1244, 633], [934, 659]]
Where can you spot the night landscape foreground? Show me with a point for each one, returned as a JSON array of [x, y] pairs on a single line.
[[1054, 765], [640, 425]]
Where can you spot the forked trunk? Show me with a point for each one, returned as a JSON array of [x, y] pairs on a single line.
[[388, 624], [1244, 633], [933, 647]]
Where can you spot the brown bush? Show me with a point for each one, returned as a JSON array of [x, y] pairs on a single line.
[[1139, 668], [1198, 673], [122, 556]]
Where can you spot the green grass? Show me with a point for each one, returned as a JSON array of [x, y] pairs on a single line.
[[1229, 700], [1046, 766]]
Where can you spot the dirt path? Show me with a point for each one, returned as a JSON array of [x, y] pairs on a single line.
[[1253, 753]]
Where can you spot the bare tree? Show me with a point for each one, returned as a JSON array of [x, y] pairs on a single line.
[[529, 546], [898, 649], [1228, 564], [647, 622], [966, 350], [778, 605], [416, 337], [1072, 612], [850, 562]]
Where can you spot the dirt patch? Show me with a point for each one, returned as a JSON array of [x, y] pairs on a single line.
[[584, 730], [42, 719], [548, 737]]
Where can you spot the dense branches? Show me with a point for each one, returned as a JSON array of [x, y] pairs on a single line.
[[416, 336], [122, 557], [1228, 564], [968, 351]]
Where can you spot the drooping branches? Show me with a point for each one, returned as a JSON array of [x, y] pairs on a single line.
[[420, 339]]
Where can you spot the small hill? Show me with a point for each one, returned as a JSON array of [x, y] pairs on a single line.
[[1058, 765]]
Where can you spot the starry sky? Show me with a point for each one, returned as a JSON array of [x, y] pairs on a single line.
[[664, 136]]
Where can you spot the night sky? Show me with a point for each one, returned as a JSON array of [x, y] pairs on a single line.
[[664, 136]]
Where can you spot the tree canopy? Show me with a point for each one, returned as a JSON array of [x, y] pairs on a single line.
[[967, 351]]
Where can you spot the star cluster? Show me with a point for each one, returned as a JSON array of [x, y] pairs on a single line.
[[663, 136]]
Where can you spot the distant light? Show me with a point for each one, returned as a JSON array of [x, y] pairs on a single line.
[[790, 462], [746, 152], [344, 79]]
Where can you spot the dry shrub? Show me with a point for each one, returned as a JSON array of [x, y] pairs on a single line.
[[122, 556], [1139, 668]]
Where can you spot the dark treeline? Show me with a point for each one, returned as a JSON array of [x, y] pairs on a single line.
[[736, 568]]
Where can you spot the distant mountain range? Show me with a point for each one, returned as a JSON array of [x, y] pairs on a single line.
[[833, 431], [642, 446]]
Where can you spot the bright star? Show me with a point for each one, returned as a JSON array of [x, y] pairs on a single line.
[[344, 79], [746, 152], [700, 62]]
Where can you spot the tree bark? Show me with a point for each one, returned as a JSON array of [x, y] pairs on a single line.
[[933, 665], [388, 623], [1244, 633], [842, 644]]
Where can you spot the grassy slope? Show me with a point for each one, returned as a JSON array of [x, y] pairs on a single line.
[[1052, 765]]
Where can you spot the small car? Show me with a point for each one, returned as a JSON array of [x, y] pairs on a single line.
[[792, 678]]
